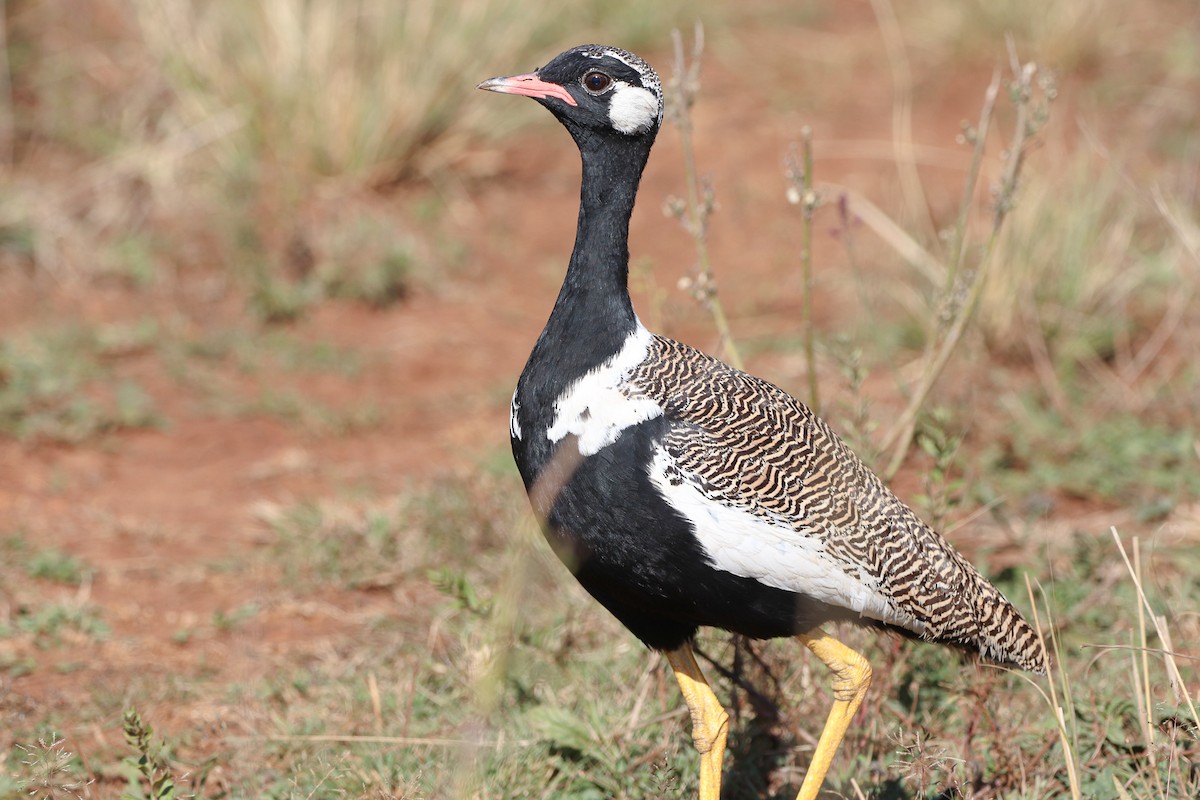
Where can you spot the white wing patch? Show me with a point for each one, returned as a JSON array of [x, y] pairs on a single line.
[[595, 408], [632, 109], [514, 424], [774, 554]]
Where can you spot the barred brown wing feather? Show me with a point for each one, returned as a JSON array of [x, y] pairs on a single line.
[[745, 444]]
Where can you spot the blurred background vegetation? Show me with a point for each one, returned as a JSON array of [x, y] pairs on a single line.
[[245, 126]]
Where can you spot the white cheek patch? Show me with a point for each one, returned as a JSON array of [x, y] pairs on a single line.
[[773, 553], [632, 109], [596, 409]]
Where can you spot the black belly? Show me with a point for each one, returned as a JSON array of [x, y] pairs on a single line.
[[639, 558]]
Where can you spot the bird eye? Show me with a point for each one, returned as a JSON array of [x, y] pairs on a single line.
[[596, 81]]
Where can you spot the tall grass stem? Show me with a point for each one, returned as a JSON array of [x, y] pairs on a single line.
[[683, 89]]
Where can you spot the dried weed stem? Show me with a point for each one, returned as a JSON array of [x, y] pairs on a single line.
[[800, 192], [694, 212], [964, 288]]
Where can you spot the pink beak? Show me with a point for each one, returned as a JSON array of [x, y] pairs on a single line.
[[529, 85]]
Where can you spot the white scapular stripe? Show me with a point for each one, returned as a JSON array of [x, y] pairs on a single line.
[[595, 409], [775, 554], [514, 424], [632, 109]]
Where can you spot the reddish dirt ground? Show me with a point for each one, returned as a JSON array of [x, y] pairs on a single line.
[[150, 511]]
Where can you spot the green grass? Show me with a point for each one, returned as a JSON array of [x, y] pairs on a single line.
[[578, 709], [56, 565], [44, 563], [37, 619], [55, 624], [499, 677], [72, 383], [359, 255], [1122, 459], [252, 371], [355, 544], [61, 384]]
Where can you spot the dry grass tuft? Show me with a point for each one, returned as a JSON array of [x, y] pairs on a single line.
[[131, 119]]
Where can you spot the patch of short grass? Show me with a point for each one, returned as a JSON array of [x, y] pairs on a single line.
[[381, 542], [1129, 459], [70, 383], [358, 253], [56, 624], [536, 692], [41, 563], [62, 383], [310, 415], [497, 676], [264, 371], [56, 565], [255, 351]]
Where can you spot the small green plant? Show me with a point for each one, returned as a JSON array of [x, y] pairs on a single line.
[[56, 565], [363, 256], [379, 284], [455, 584], [152, 776], [275, 298], [134, 260], [942, 490], [228, 620], [854, 422], [16, 666]]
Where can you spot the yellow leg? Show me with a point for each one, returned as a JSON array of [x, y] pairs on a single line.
[[710, 723], [852, 676]]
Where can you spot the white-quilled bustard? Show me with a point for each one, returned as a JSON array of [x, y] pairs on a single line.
[[683, 492]]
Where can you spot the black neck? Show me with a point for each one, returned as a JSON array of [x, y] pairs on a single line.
[[593, 316], [593, 310]]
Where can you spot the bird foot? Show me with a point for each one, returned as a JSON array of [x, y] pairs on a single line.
[[852, 676], [710, 723]]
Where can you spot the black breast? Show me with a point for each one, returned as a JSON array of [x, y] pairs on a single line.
[[637, 555]]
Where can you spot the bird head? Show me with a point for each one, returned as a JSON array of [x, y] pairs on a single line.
[[593, 89]]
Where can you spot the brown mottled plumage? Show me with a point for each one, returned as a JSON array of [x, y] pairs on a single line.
[[747, 443]]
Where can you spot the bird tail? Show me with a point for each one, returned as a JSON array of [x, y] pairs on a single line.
[[1005, 637]]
